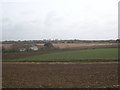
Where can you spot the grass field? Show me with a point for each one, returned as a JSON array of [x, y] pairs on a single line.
[[109, 54]]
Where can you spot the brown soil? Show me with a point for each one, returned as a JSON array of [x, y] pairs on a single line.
[[15, 55], [60, 75], [71, 45], [7, 46]]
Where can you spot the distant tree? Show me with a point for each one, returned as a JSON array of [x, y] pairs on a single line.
[[118, 40], [18, 47], [48, 45]]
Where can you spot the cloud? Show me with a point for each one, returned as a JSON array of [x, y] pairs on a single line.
[[62, 19]]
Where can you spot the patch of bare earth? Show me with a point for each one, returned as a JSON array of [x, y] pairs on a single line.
[[72, 45], [7, 46], [60, 75]]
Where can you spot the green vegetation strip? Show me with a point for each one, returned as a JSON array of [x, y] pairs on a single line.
[[89, 55], [106, 53]]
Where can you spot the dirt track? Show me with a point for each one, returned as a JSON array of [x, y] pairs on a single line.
[[60, 75]]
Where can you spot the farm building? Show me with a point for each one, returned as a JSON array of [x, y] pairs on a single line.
[[22, 49], [34, 48]]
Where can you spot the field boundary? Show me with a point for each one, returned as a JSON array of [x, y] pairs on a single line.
[[73, 61], [60, 63]]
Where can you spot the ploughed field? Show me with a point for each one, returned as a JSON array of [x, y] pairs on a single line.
[[60, 75], [98, 70], [74, 45]]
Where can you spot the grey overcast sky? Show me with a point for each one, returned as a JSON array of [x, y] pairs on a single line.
[[59, 19]]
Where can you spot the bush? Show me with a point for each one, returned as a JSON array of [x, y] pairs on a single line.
[[48, 45]]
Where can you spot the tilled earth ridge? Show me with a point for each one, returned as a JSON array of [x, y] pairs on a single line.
[[60, 75]]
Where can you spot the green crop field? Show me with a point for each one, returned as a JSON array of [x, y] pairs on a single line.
[[109, 54]]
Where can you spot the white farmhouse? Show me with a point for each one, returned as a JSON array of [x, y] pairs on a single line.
[[34, 48], [22, 49]]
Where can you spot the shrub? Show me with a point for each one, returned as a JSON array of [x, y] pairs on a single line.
[[48, 45]]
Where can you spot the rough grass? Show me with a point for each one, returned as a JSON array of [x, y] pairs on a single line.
[[87, 55], [71, 45]]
